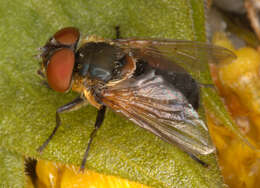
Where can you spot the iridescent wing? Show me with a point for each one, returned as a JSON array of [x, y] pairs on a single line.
[[194, 57], [155, 105]]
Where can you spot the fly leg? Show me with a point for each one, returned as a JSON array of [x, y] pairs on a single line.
[[99, 120], [44, 82], [197, 159], [74, 105], [40, 73], [207, 85], [117, 28]]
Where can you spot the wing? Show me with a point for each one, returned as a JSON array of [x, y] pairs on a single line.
[[194, 57], [155, 105]]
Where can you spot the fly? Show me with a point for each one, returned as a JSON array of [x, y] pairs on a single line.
[[145, 80]]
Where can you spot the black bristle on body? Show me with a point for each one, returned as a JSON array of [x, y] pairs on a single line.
[[30, 169]]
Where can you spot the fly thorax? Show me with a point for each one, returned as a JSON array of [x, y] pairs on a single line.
[[98, 60]]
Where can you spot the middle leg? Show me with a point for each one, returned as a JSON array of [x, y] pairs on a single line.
[[98, 123]]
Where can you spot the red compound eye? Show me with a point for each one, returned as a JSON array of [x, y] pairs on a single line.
[[59, 69], [67, 36]]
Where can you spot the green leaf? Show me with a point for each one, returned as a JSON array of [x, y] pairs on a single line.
[[27, 107], [11, 173]]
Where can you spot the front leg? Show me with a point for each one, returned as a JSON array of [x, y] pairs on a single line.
[[74, 105], [44, 82]]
